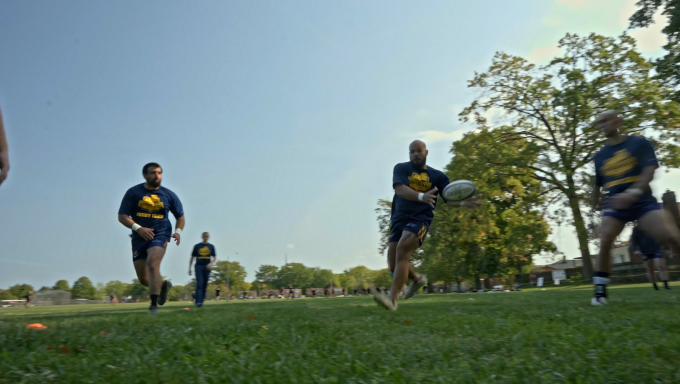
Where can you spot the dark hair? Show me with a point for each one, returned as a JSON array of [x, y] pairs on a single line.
[[204, 233], [150, 165]]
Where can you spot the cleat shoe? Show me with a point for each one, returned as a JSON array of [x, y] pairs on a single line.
[[413, 288], [384, 301], [598, 301], [153, 310], [165, 289]]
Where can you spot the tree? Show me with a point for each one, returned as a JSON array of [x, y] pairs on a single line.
[[361, 277], [20, 290], [235, 272], [115, 287], [136, 290], [5, 294], [667, 67], [384, 212], [551, 109], [644, 17], [267, 275], [83, 289], [382, 278], [322, 278], [295, 274], [62, 285], [175, 292]]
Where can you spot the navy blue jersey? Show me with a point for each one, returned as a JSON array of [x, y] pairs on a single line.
[[420, 180], [640, 241], [618, 166], [150, 209], [203, 252]]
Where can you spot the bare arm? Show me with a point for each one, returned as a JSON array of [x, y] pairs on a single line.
[[406, 192], [191, 262], [179, 226], [145, 233], [646, 177], [4, 152], [125, 220], [180, 223], [212, 262]]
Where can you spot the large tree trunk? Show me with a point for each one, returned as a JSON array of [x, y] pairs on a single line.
[[581, 231]]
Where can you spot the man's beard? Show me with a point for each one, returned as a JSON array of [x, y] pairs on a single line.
[[154, 184], [417, 165]]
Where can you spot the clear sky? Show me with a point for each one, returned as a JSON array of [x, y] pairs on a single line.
[[276, 122]]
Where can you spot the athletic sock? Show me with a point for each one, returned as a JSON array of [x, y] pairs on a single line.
[[655, 287], [601, 280], [154, 301]]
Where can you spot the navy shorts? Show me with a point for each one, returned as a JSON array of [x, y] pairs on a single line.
[[650, 256], [633, 213], [139, 248], [416, 227]]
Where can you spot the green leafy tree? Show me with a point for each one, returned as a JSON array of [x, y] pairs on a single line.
[[296, 274], [100, 291], [234, 270], [551, 109], [668, 66], [115, 287], [20, 290], [83, 289], [322, 278], [5, 294], [176, 292], [382, 278], [267, 275], [384, 212], [644, 17], [362, 277], [62, 285], [137, 290], [501, 235]]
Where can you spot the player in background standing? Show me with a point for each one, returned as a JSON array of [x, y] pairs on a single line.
[[416, 186], [205, 255], [144, 210], [646, 246], [624, 167], [4, 152]]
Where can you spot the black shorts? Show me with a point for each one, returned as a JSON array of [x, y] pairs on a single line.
[[416, 227]]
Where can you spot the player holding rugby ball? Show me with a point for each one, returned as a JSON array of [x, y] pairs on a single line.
[[416, 186]]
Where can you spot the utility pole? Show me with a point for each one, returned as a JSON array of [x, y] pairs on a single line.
[[286, 259]]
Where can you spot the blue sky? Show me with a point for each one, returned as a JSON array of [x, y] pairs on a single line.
[[277, 123]]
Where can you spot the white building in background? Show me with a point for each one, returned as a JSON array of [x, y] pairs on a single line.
[[620, 254]]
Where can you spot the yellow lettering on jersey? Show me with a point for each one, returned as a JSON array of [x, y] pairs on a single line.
[[618, 165], [140, 214], [157, 216], [205, 251], [625, 180], [420, 182], [151, 203]]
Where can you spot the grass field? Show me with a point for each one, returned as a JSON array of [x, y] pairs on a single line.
[[525, 337]]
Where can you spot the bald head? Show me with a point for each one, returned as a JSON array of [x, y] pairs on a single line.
[[609, 123], [417, 143], [418, 153]]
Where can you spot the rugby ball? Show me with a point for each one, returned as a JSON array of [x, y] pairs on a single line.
[[459, 190]]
